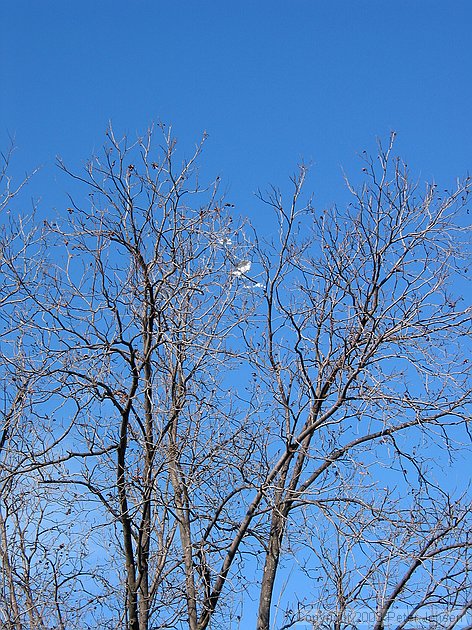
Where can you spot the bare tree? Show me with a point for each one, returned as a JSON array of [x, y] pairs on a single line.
[[218, 402], [365, 343], [41, 556], [140, 314]]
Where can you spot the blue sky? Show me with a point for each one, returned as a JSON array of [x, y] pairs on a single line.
[[272, 82]]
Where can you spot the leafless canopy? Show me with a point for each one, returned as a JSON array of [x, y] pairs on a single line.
[[194, 413]]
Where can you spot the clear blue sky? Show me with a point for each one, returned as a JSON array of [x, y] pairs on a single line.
[[271, 81]]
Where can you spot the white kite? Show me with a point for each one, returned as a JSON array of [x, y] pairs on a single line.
[[242, 268]]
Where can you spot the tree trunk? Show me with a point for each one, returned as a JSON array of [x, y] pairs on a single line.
[[276, 535]]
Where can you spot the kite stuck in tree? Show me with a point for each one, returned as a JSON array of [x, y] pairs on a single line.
[[241, 268]]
